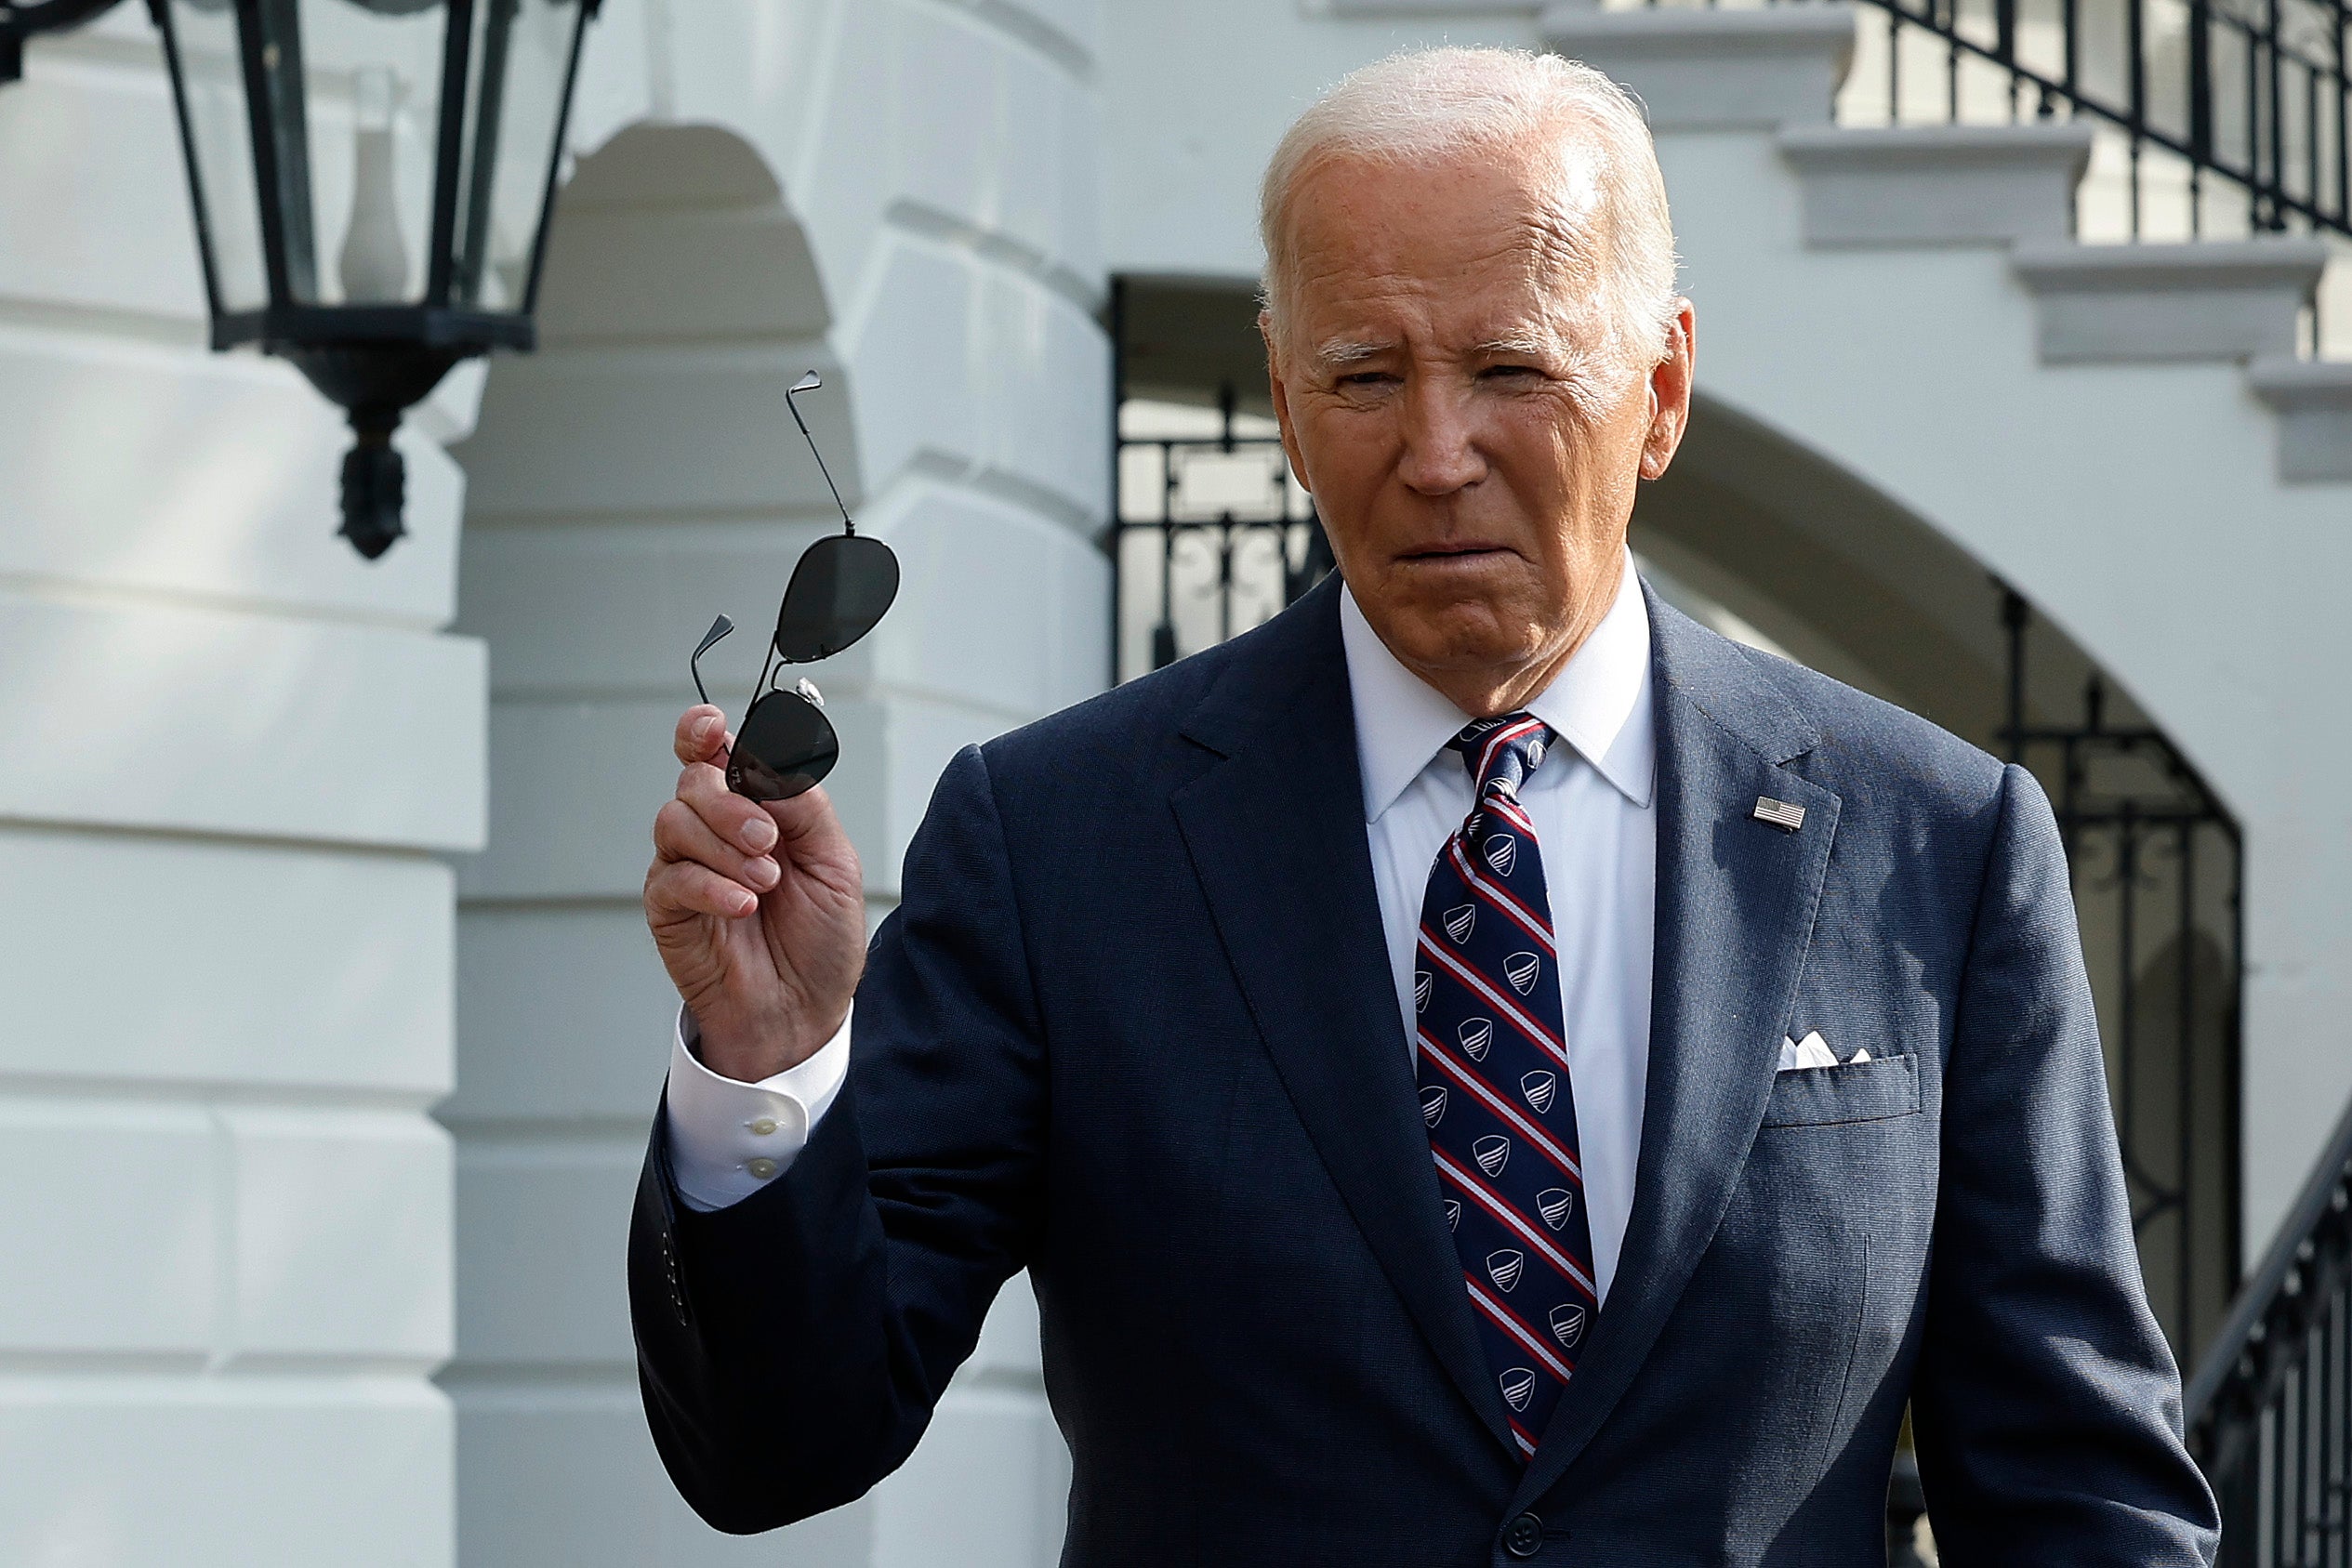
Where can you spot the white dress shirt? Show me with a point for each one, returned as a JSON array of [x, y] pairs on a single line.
[[1591, 802], [1598, 827]]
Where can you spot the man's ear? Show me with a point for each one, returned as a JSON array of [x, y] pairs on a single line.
[[1267, 334], [1669, 391]]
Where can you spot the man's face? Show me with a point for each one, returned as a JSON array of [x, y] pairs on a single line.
[[1451, 393]]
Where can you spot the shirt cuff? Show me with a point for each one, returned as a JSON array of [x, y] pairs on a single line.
[[728, 1139]]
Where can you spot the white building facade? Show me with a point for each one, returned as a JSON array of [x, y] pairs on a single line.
[[329, 1032]]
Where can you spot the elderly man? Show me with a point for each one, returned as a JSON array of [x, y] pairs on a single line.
[[1478, 1068]]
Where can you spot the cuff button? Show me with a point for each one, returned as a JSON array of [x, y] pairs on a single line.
[[765, 1126], [762, 1169]]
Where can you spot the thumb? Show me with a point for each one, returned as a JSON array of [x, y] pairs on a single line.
[[703, 735], [809, 831]]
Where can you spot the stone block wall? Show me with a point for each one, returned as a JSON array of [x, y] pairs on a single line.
[[231, 756], [244, 776]]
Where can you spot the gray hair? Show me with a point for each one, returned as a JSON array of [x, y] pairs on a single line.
[[1430, 104]]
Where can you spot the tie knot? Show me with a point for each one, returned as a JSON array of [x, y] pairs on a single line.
[[1501, 753]]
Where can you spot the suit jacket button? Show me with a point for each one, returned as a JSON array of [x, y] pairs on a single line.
[[1523, 1535]]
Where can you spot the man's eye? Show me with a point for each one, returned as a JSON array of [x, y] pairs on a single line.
[[1509, 370], [1366, 378]]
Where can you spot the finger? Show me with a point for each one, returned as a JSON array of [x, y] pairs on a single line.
[[701, 736], [680, 834], [735, 820], [682, 888]]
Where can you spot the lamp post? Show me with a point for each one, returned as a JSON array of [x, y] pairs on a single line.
[[371, 181]]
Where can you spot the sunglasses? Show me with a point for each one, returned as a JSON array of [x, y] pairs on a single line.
[[840, 589]]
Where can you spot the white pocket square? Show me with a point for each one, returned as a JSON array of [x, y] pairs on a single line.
[[1812, 1052]]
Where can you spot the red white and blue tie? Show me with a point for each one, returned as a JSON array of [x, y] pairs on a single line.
[[1492, 1064]]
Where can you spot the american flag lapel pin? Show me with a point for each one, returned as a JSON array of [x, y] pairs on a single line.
[[1779, 814]]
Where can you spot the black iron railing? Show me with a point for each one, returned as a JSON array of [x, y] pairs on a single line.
[[2235, 115], [2157, 879], [2270, 1406], [1213, 534]]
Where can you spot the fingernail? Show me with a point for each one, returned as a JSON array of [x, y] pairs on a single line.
[[701, 729], [745, 904], [764, 873], [757, 833]]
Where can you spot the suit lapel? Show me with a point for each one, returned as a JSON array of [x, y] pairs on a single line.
[[1736, 904], [1275, 833]]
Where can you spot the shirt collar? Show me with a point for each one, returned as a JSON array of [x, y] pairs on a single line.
[[1599, 704]]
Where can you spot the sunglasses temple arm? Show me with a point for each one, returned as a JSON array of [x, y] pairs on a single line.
[[847, 525], [717, 632]]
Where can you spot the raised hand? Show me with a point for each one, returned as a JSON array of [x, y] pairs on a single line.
[[759, 911]]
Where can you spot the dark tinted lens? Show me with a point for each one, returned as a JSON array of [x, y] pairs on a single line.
[[842, 586], [785, 745]]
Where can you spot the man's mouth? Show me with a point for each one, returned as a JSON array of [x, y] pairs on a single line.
[[1465, 552]]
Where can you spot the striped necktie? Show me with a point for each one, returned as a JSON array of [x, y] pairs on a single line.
[[1493, 1071]]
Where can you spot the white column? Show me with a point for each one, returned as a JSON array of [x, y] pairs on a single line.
[[902, 196], [952, 190], [229, 750]]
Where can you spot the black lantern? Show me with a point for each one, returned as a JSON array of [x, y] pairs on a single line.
[[371, 181]]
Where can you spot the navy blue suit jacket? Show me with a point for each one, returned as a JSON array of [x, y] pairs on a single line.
[[1132, 1029]]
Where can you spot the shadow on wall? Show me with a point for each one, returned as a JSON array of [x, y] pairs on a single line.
[[1811, 563]]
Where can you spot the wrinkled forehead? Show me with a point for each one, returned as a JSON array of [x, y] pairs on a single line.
[[1478, 238]]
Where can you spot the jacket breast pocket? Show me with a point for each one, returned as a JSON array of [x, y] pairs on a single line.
[[1875, 1090]]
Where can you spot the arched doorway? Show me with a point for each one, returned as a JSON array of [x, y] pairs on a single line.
[[635, 476]]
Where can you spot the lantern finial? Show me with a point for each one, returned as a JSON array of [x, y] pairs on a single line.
[[375, 383]]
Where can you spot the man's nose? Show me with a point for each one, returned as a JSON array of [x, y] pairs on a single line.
[[1441, 448]]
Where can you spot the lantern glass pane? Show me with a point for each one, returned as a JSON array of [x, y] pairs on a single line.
[[212, 94], [358, 127], [516, 71]]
